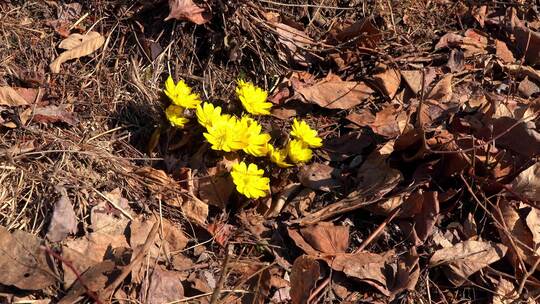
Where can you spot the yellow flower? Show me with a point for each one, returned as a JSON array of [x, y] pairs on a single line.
[[253, 98], [225, 135], [175, 115], [278, 156], [249, 180], [207, 114], [181, 94], [255, 142], [303, 132], [299, 152]]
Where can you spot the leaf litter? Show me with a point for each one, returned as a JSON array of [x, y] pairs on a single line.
[[425, 187]]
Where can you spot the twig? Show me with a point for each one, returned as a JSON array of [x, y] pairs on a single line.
[[217, 291], [378, 231], [527, 275]]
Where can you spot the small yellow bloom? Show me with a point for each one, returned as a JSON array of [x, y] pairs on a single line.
[[303, 132], [175, 115], [224, 134], [181, 94], [278, 156], [299, 152], [253, 98], [255, 141], [249, 180], [207, 114]]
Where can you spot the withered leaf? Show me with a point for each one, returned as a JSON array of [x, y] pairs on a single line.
[[334, 93], [64, 219], [76, 46], [388, 81], [51, 114], [304, 275], [187, 10], [24, 264], [319, 176], [467, 257], [326, 237], [527, 183], [165, 286], [10, 96]]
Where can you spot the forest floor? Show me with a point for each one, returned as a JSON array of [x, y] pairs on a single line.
[[426, 188]]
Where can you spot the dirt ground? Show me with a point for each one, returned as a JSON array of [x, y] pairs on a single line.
[[425, 189]]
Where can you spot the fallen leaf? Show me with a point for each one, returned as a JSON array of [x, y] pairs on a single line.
[[164, 287], [319, 176], [64, 219], [390, 122], [78, 260], [294, 44], [334, 93], [528, 88], [364, 33], [51, 114], [528, 42], [527, 183], [104, 216], [346, 146], [442, 91], [24, 264], [506, 293], [479, 14], [195, 209], [473, 43], [300, 203], [503, 52], [364, 266], [375, 177], [427, 216], [93, 280], [216, 187], [187, 10], [281, 200], [326, 237], [362, 117], [221, 232], [456, 61], [388, 81], [17, 96], [304, 275], [76, 46], [414, 79], [465, 258]]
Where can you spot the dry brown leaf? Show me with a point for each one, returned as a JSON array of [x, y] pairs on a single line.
[[502, 51], [64, 219], [414, 79], [505, 293], [78, 260], [187, 10], [522, 71], [375, 177], [195, 209], [318, 176], [164, 287], [479, 14], [515, 226], [293, 44], [326, 237], [17, 96], [388, 81], [363, 31], [94, 279], [334, 93], [390, 122], [216, 188], [76, 46], [364, 266], [106, 219], [362, 117], [442, 91], [474, 42], [427, 217], [24, 264], [51, 114], [304, 275], [527, 183], [527, 88], [466, 258], [528, 42]]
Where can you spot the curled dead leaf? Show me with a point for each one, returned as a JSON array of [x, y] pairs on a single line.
[[187, 10], [76, 46], [304, 275], [24, 264], [334, 93], [465, 258]]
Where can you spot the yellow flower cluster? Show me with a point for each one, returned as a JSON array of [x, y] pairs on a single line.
[[229, 133], [182, 98]]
